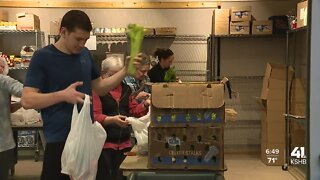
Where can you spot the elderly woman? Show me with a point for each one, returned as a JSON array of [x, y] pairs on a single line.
[[139, 79], [8, 86], [111, 111]]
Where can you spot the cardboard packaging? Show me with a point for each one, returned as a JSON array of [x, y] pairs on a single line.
[[298, 134], [241, 13], [186, 148], [302, 14], [220, 15], [273, 154], [3, 15], [193, 104], [148, 31], [220, 21], [240, 27], [165, 31], [220, 28], [274, 81], [54, 27], [26, 21], [261, 27]]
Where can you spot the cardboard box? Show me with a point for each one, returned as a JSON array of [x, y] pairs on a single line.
[[241, 13], [3, 15], [275, 76], [186, 148], [273, 154], [298, 93], [261, 27], [298, 109], [165, 31], [27, 21], [221, 15], [302, 14], [148, 31], [240, 27], [297, 134], [273, 127], [194, 104], [220, 28], [54, 27]]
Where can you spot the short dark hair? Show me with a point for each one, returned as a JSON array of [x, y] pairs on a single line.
[[76, 19], [162, 53]]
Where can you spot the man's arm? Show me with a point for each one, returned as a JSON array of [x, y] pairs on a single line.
[[32, 98], [101, 86]]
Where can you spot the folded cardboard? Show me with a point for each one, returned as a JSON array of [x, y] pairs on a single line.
[[26, 21], [273, 154], [261, 27], [273, 127], [3, 15], [240, 27], [220, 28], [297, 134], [298, 109], [298, 93], [54, 27], [186, 148], [178, 104], [165, 31], [302, 14], [221, 15], [275, 76], [241, 13]]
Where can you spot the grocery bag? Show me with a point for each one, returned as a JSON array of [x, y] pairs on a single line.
[[140, 129], [83, 146]]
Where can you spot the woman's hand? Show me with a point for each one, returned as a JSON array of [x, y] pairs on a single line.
[[118, 119], [142, 95]]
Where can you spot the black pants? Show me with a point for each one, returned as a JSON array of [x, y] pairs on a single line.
[[6, 162], [113, 159], [51, 169]]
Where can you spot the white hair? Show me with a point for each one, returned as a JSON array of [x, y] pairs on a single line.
[[6, 68], [112, 63]]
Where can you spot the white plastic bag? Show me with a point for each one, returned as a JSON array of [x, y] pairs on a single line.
[[83, 146], [140, 129]]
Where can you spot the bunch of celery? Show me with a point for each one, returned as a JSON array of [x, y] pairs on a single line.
[[136, 35], [170, 75]]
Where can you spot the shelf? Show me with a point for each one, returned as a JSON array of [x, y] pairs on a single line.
[[19, 31], [17, 68], [301, 29], [248, 35]]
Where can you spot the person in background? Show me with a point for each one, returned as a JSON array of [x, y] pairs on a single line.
[[59, 76], [138, 81], [8, 87], [111, 110], [165, 57]]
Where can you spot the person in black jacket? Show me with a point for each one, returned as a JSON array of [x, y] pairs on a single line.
[[111, 111], [165, 57]]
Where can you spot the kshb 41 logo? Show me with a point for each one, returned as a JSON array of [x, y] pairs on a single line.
[[298, 156]]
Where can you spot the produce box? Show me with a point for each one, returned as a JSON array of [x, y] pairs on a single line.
[[26, 21], [192, 104], [186, 148], [165, 31]]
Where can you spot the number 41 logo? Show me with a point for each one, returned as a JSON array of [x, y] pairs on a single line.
[[298, 152]]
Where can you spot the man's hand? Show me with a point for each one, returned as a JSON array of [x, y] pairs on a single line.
[[136, 63], [71, 95], [120, 120], [147, 103]]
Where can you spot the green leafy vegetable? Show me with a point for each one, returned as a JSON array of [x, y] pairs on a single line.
[[136, 35], [170, 75]]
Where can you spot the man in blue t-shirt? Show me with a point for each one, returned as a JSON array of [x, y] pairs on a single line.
[[59, 76]]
